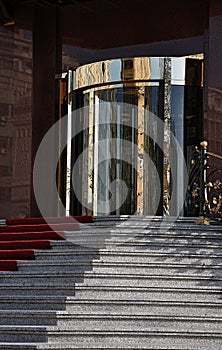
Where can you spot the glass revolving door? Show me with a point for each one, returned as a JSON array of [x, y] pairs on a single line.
[[120, 165], [120, 152]]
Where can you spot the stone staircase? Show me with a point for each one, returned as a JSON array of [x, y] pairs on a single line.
[[118, 283]]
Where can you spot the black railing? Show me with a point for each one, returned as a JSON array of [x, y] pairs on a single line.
[[204, 195]]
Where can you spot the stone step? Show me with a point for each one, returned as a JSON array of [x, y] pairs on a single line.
[[149, 232], [128, 255], [150, 228], [76, 306], [192, 237], [101, 266], [152, 343], [110, 306], [139, 240], [74, 255], [90, 239], [92, 292], [141, 251], [37, 334], [55, 266], [151, 280], [174, 228], [76, 248], [133, 243], [140, 220], [114, 292], [28, 318], [43, 278], [161, 259], [37, 290], [80, 245], [136, 322], [144, 307], [65, 320], [26, 334], [96, 277], [139, 341], [192, 339], [180, 250], [92, 321], [132, 246], [162, 268], [139, 244], [18, 346], [27, 302], [171, 341], [143, 224]]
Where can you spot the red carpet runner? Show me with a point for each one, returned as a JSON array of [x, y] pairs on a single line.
[[21, 237]]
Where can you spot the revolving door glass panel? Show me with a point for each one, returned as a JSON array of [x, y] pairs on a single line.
[[117, 156]]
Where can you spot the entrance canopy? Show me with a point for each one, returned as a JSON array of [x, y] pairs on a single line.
[[106, 24]]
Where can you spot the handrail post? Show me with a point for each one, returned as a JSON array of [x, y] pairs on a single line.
[[203, 180]]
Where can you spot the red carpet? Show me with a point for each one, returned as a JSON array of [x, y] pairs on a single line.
[[40, 227], [21, 237], [52, 220], [9, 265], [18, 254], [17, 236]]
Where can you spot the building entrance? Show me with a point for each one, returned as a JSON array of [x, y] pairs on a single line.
[[129, 118]]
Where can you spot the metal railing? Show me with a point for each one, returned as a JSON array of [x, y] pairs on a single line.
[[204, 195]]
